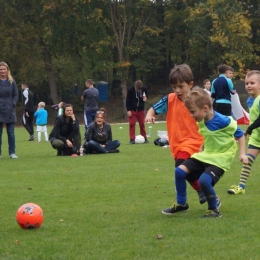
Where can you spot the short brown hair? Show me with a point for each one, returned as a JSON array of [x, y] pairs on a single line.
[[198, 97], [90, 81], [139, 84], [205, 81], [222, 68], [181, 73], [229, 68]]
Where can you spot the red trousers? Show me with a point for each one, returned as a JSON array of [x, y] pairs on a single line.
[[139, 116]]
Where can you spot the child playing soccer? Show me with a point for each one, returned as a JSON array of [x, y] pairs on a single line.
[[41, 121], [182, 129], [219, 150], [252, 83]]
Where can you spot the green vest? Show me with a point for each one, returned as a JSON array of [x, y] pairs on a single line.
[[254, 112], [219, 146]]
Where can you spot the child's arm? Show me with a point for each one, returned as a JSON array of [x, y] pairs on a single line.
[[150, 116], [253, 126], [160, 107]]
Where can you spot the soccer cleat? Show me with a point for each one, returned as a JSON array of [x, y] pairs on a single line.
[[235, 190], [175, 208], [202, 197], [132, 142], [146, 141], [218, 202], [13, 156], [32, 137], [212, 214]]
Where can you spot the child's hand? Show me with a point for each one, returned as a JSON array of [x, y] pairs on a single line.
[[150, 119], [245, 134], [243, 158]]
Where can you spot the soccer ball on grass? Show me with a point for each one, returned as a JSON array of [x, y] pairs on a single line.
[[29, 216], [139, 139]]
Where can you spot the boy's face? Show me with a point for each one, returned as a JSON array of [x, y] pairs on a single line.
[[181, 89], [198, 113], [252, 84], [207, 85], [229, 74]]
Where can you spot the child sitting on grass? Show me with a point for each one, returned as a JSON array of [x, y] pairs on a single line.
[[252, 82], [218, 152]]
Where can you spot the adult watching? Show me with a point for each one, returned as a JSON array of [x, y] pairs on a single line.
[[65, 136], [8, 100], [99, 136]]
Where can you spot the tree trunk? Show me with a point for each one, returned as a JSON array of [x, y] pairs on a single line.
[[124, 93], [50, 73]]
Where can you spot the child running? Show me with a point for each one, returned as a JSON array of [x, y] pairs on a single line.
[[252, 84], [184, 139], [219, 150]]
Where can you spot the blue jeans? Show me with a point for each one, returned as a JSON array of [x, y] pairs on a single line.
[[11, 137], [94, 146], [89, 117]]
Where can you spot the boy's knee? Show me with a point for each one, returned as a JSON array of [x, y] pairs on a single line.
[[179, 173], [205, 180]]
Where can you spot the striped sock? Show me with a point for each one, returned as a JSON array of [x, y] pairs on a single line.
[[246, 170]]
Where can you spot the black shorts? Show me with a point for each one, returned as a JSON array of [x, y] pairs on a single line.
[[196, 168], [223, 108], [250, 146]]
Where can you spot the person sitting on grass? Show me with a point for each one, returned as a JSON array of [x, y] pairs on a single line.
[[252, 83], [99, 136], [218, 151], [65, 136]]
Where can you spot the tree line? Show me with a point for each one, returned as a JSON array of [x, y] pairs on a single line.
[[53, 44]]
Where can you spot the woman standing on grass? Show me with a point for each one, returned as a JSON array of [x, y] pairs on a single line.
[[8, 100], [99, 136]]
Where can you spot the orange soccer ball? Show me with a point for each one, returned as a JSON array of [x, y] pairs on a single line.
[[29, 216]]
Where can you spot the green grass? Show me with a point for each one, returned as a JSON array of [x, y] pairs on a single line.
[[109, 206]]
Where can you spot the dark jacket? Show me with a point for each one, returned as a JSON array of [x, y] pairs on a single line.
[[221, 89], [63, 130], [8, 100], [134, 99], [28, 100], [101, 136]]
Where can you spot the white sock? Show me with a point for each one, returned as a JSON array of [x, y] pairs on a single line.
[[39, 136]]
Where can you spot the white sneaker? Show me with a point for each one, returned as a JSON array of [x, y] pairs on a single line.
[[13, 156]]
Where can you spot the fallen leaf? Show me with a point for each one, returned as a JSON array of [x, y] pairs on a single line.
[[17, 242], [156, 169], [159, 236], [61, 220], [155, 187], [68, 168]]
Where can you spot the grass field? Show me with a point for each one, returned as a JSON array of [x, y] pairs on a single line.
[[109, 206]]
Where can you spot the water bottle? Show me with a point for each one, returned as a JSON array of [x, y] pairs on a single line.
[[81, 151], [150, 131]]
